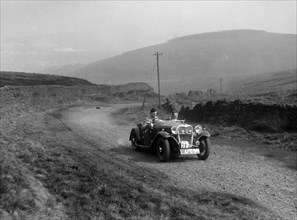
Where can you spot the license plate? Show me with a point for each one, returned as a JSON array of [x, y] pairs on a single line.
[[184, 144], [189, 151]]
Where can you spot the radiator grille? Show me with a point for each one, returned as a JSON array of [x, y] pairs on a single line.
[[185, 129], [185, 133], [185, 137]]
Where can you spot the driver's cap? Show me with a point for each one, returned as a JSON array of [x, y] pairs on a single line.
[[153, 110]]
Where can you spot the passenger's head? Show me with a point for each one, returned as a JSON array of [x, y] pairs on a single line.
[[153, 112], [174, 115]]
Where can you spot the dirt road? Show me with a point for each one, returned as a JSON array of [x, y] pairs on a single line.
[[245, 168]]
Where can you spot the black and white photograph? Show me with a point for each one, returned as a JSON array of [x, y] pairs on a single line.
[[148, 110]]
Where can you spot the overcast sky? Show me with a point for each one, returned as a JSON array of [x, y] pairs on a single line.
[[126, 25]]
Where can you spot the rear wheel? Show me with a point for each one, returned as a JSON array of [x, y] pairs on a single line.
[[204, 148], [134, 143], [163, 149]]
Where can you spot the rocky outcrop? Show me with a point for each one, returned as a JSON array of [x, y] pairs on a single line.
[[136, 89], [211, 92], [195, 93]]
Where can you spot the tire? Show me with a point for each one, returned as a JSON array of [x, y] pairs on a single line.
[[163, 149], [134, 143], [204, 148]]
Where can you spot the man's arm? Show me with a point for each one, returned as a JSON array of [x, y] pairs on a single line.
[[147, 122]]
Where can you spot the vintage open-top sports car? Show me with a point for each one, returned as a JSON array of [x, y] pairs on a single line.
[[171, 138]]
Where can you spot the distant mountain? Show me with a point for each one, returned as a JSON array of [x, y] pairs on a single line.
[[38, 53], [265, 82], [66, 70], [197, 62]]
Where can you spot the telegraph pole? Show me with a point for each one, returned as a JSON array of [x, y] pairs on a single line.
[[158, 54]]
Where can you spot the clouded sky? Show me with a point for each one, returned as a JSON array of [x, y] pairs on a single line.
[[37, 35], [114, 27]]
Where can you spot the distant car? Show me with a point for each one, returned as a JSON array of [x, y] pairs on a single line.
[[172, 138]]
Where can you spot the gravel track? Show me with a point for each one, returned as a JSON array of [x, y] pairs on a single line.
[[246, 169]]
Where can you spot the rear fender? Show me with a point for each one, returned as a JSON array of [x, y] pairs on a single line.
[[136, 130], [203, 134]]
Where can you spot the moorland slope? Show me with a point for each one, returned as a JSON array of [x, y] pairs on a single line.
[[32, 79], [265, 82], [198, 61]]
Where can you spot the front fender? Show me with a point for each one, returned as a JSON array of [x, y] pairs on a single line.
[[163, 134], [136, 130], [173, 142], [203, 134]]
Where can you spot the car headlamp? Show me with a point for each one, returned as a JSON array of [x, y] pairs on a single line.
[[198, 129], [174, 130]]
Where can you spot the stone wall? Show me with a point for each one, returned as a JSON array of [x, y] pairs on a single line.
[[253, 116]]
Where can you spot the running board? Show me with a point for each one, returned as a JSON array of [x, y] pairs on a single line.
[[139, 145]]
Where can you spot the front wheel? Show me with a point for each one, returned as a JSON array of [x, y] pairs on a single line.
[[204, 148], [163, 149], [134, 143]]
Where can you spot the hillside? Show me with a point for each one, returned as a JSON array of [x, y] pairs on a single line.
[[266, 82], [198, 61], [31, 79]]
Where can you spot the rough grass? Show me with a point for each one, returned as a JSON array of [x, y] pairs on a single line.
[[47, 172], [22, 194], [14, 189]]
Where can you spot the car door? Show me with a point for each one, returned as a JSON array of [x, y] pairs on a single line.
[[149, 135]]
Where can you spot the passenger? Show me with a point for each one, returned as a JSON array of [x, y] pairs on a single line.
[[174, 116]]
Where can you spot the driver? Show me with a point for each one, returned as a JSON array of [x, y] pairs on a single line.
[[150, 120]]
